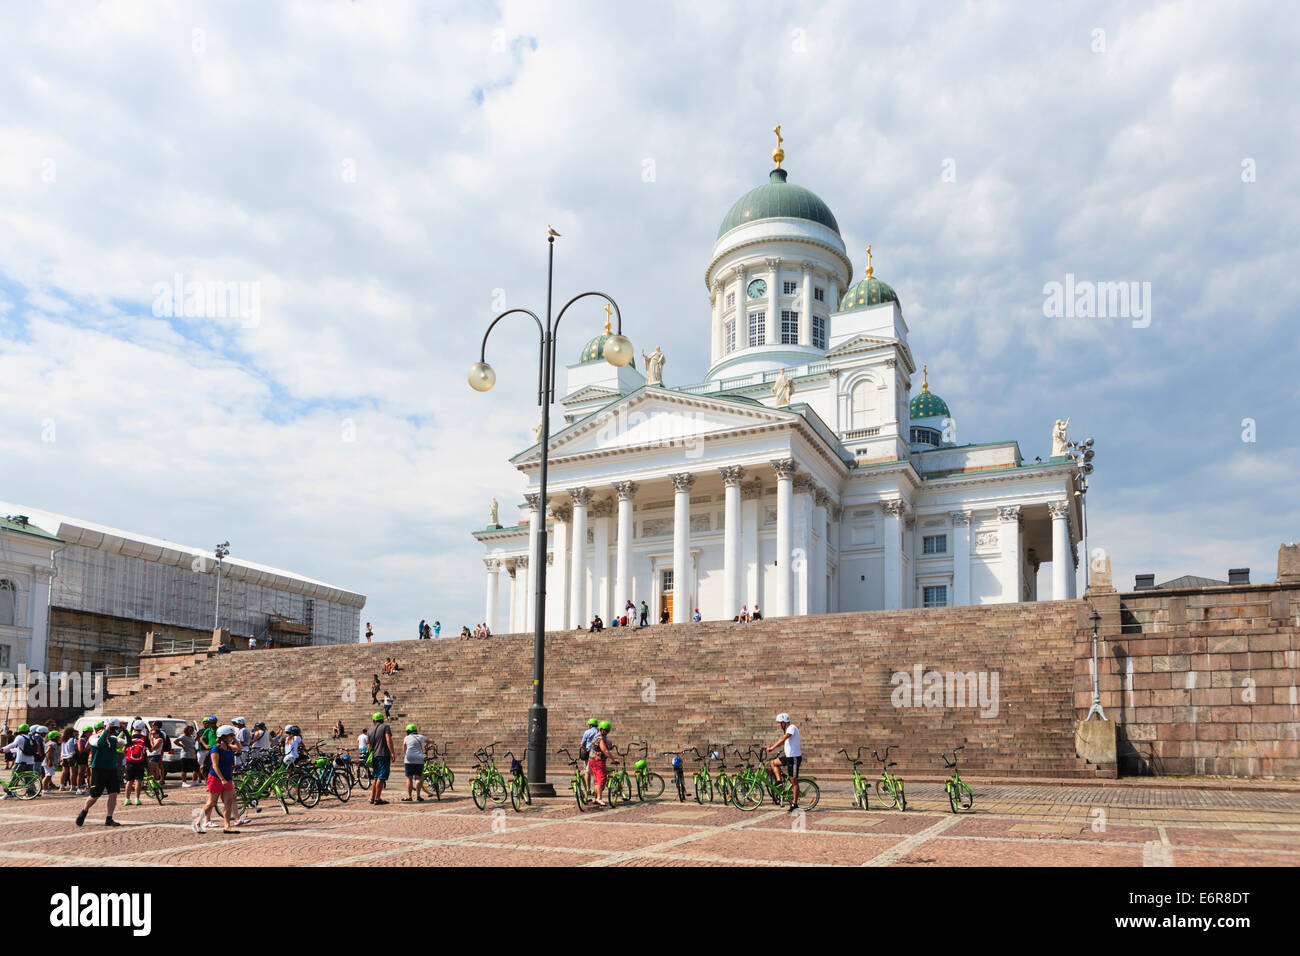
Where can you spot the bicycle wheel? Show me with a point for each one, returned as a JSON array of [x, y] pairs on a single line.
[[363, 776], [497, 789], [809, 794], [612, 791], [448, 778], [341, 787], [625, 783], [26, 785], [479, 791], [307, 791], [963, 796], [725, 787], [652, 784], [902, 798], [748, 794], [885, 794], [527, 791], [860, 798], [278, 788], [432, 783], [157, 792], [703, 790]]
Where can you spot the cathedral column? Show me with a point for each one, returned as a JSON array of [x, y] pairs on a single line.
[[960, 557], [801, 558], [910, 535], [818, 602], [742, 314], [519, 622], [623, 562], [578, 576], [601, 511], [731, 477], [1009, 540], [511, 572], [751, 499], [536, 516], [773, 328], [681, 546], [1062, 560], [785, 469], [805, 305], [493, 592], [557, 576], [894, 511]]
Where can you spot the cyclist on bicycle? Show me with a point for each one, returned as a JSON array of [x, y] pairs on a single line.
[[23, 748], [584, 748], [601, 751], [790, 760]]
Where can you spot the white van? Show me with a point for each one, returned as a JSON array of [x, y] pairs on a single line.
[[173, 727]]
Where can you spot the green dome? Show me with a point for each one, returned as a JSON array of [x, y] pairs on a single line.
[[595, 350], [868, 292], [779, 200], [927, 404]]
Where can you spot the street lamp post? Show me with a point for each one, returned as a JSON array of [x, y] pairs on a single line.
[[1096, 686], [618, 352], [1082, 453], [220, 551]]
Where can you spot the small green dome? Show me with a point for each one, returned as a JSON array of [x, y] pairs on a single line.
[[927, 404], [779, 199], [594, 351], [868, 292]]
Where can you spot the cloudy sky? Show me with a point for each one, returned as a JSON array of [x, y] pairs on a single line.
[[385, 172]]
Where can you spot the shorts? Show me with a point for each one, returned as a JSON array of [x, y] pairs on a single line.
[[104, 781], [67, 763], [415, 770], [791, 764], [217, 785], [49, 771], [379, 768], [189, 765], [134, 771], [83, 760], [155, 758], [597, 768]]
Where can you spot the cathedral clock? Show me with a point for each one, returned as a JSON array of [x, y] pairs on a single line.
[[757, 289]]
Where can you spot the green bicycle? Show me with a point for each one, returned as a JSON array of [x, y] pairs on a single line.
[[518, 783], [889, 788], [649, 785], [579, 785], [753, 782], [702, 779], [154, 787], [254, 784], [959, 795], [24, 784], [861, 785], [618, 784], [437, 775], [488, 783]]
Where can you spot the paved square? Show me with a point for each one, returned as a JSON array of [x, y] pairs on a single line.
[[1012, 825]]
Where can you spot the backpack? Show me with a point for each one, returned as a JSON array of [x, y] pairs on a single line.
[[31, 746], [135, 750]]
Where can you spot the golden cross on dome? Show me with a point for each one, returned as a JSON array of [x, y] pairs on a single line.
[[778, 154], [870, 271], [608, 313], [925, 373]]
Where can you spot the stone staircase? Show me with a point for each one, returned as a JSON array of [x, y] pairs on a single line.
[[690, 684]]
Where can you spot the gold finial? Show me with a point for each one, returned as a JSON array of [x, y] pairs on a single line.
[[778, 154], [870, 270], [608, 314], [925, 375]]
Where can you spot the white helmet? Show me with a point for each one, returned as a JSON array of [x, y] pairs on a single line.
[[237, 721], [41, 729], [139, 725], [783, 718], [113, 722], [225, 730]]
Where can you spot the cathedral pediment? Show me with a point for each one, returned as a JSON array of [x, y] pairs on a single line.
[[592, 393], [656, 417]]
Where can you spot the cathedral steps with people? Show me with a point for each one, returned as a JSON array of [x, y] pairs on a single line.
[[996, 678]]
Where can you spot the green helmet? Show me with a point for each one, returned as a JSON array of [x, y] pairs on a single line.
[[376, 717], [640, 765], [100, 725], [23, 728], [593, 722], [321, 761], [54, 735], [604, 725], [411, 728]]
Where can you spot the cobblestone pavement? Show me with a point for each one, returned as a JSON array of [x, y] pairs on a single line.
[[1033, 825]]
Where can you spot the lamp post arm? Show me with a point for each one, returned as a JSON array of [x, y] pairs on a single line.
[[541, 333], [555, 327]]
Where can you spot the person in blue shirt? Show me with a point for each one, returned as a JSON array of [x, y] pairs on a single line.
[[221, 780]]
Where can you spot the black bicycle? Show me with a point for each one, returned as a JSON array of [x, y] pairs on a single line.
[[679, 775]]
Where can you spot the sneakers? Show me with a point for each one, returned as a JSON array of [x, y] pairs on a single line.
[[110, 822], [81, 818], [211, 825], [187, 784], [241, 821]]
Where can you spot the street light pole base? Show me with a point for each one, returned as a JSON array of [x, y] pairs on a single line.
[[542, 789]]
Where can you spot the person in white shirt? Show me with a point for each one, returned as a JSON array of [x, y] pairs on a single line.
[[292, 745], [790, 760], [261, 739], [243, 737], [363, 744], [413, 744]]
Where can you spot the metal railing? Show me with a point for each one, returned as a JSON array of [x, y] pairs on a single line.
[[120, 671], [178, 647]]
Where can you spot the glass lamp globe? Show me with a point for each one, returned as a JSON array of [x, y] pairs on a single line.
[[618, 350], [481, 376]]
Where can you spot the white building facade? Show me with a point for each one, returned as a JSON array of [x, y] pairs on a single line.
[[26, 569], [807, 473]]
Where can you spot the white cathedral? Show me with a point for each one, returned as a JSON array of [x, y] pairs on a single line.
[[802, 476]]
